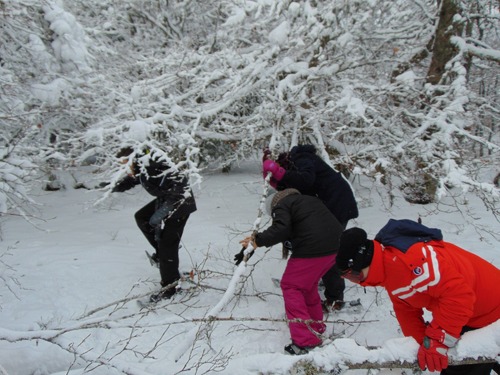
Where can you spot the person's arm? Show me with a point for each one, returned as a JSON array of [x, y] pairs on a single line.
[[410, 319], [125, 184], [452, 298], [279, 231]]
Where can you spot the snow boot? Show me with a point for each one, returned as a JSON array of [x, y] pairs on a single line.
[[329, 305], [293, 349], [164, 294]]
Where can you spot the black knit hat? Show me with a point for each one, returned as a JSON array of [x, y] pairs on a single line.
[[284, 160], [355, 251]]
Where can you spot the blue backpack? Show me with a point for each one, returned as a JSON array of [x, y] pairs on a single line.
[[402, 234]]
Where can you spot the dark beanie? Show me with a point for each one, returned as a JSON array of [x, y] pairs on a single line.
[[284, 160], [355, 250]]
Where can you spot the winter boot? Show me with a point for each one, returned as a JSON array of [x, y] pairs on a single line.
[[329, 305], [164, 294], [293, 349]]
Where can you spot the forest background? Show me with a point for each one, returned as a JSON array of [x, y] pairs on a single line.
[[401, 96]]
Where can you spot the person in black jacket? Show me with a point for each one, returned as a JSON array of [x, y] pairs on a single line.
[[315, 237], [304, 170], [162, 221]]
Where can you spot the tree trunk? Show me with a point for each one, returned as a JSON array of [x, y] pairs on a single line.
[[443, 50]]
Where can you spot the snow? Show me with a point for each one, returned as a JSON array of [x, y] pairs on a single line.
[[279, 35], [353, 105], [50, 93], [64, 303]]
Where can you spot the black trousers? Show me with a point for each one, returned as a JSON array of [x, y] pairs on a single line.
[[476, 369], [334, 285], [164, 240], [333, 282]]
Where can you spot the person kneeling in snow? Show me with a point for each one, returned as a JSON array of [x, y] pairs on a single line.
[[314, 234], [419, 270]]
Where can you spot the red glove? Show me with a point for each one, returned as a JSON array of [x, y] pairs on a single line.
[[441, 336], [433, 352], [276, 170], [432, 355]]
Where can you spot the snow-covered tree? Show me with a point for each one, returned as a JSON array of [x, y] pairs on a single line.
[[212, 83]]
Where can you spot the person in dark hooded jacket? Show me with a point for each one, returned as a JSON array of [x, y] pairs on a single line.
[[161, 221], [304, 170]]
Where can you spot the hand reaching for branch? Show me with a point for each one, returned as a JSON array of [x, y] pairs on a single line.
[[245, 243]]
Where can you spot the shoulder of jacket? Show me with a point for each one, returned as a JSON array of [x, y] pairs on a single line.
[[423, 267], [416, 254]]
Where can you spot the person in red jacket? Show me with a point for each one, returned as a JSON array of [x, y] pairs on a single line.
[[420, 270]]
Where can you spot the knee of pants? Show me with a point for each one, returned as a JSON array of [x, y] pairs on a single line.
[[141, 222]]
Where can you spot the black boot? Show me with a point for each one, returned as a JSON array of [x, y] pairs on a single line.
[[293, 349], [329, 305], [164, 294]]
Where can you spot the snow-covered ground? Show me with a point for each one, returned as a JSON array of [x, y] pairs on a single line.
[[66, 287]]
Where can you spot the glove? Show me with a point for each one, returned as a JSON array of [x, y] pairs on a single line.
[[433, 352], [125, 184], [441, 336], [432, 355], [238, 258], [276, 170], [160, 214]]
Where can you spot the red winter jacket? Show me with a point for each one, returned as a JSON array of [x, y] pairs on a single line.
[[458, 287]]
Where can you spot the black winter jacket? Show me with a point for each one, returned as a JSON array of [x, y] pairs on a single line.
[[309, 174], [169, 187], [307, 223]]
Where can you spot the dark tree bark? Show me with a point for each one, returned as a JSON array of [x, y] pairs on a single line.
[[443, 51]]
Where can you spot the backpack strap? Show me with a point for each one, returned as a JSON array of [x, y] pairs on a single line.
[[402, 234]]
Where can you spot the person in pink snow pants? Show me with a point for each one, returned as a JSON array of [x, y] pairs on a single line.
[[314, 235]]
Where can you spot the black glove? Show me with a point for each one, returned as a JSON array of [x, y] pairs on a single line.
[[160, 214], [238, 258], [125, 184]]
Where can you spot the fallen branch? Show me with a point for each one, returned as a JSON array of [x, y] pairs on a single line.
[[300, 366], [401, 353], [194, 333]]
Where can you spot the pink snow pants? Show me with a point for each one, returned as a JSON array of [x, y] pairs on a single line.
[[299, 285]]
